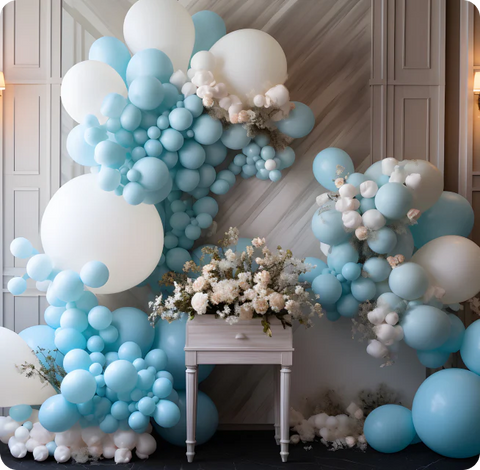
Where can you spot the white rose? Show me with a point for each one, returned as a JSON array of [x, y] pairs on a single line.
[[200, 303]]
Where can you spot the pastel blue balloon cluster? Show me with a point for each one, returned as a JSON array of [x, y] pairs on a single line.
[[61, 286], [365, 229]]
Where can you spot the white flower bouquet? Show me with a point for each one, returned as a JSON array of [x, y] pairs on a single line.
[[255, 283]]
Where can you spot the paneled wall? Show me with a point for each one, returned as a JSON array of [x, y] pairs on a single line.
[[329, 49], [408, 80]]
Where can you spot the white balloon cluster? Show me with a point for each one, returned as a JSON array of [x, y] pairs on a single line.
[[77, 443], [344, 430], [238, 81]]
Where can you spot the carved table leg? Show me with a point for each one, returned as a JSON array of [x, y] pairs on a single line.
[[191, 396], [284, 411], [276, 394]]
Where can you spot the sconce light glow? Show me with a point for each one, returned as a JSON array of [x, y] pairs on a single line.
[[2, 81], [476, 87]]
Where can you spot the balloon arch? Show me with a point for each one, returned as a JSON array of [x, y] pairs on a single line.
[[162, 130]]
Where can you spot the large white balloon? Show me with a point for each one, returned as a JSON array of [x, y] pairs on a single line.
[[431, 185], [453, 263], [85, 86], [249, 62], [84, 223], [161, 24], [17, 389]]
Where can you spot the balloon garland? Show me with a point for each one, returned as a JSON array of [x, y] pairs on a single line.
[[161, 130]]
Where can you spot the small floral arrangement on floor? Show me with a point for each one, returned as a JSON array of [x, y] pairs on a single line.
[[256, 283]]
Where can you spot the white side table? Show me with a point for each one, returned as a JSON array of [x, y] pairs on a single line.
[[213, 341]]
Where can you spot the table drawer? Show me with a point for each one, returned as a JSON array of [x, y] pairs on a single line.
[[211, 333]]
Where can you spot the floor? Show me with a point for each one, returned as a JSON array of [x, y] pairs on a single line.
[[256, 450]]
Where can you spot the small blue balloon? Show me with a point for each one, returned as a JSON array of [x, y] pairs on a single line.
[[470, 349], [100, 317], [108, 178], [316, 265], [377, 269], [121, 376], [389, 428], [215, 154], [76, 359], [42, 337], [146, 93], [330, 164], [113, 105], [20, 413], [327, 226], [176, 259], [351, 271], [110, 154], [172, 140], [235, 137], [194, 104], [153, 173], [409, 281], [220, 187], [382, 241], [209, 28], [74, 318], [187, 180], [17, 285], [119, 410], [446, 413], [94, 274], [130, 119], [52, 316], [78, 386], [138, 421], [207, 130], [78, 148], [68, 286], [363, 289], [162, 387], [206, 205], [134, 193], [129, 351], [67, 339], [167, 414], [367, 204], [21, 248], [191, 155], [394, 200], [452, 214], [109, 424], [180, 119], [151, 62], [328, 288], [299, 123], [58, 415], [433, 359], [425, 327], [347, 306], [374, 172]]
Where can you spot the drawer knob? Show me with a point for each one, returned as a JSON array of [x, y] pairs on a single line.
[[240, 336]]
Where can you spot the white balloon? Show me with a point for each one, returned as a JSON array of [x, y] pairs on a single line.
[[18, 389], [85, 86], [161, 24], [453, 264], [373, 219], [430, 187], [249, 62], [83, 223]]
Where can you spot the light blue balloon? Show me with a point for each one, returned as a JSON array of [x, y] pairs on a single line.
[[119, 410], [207, 176], [180, 119], [78, 149], [446, 413], [206, 205], [109, 334], [132, 325], [17, 285], [433, 359], [170, 337], [74, 318], [113, 52], [108, 178], [194, 104], [209, 28], [176, 259], [162, 387], [187, 180], [39, 267], [78, 386], [172, 140], [377, 269], [52, 316], [153, 173], [134, 193], [327, 226], [151, 62], [409, 281], [20, 412], [76, 359], [330, 164], [156, 358], [42, 337], [208, 130], [235, 137], [94, 274], [21, 248], [124, 137], [363, 289], [112, 106], [394, 302], [191, 155], [299, 123], [340, 255], [394, 200], [405, 245], [58, 415], [100, 317], [129, 351], [452, 214], [351, 271], [67, 339], [327, 287], [220, 187], [215, 154], [366, 204], [374, 172], [68, 286], [425, 327], [382, 241], [457, 335], [347, 306], [311, 275], [470, 349], [154, 197], [120, 376], [146, 92], [166, 414], [356, 179], [109, 424], [389, 428], [110, 154], [130, 119], [207, 421]]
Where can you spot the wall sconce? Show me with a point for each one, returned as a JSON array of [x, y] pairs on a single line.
[[2, 83], [476, 87]]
